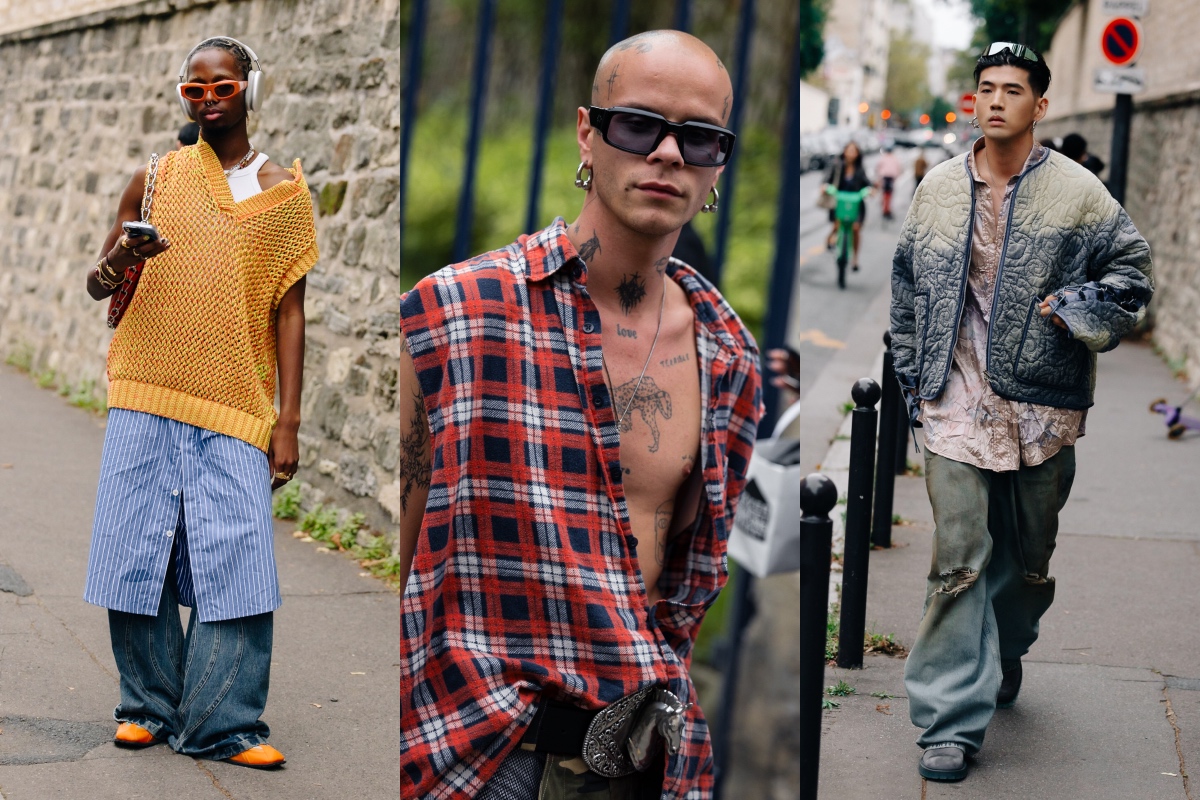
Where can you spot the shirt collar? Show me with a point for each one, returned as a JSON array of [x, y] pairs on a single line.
[[1037, 154], [548, 251]]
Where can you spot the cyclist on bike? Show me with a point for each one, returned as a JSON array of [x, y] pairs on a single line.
[[848, 175], [886, 172]]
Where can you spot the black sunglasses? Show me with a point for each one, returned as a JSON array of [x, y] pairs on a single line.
[[1018, 50], [641, 132]]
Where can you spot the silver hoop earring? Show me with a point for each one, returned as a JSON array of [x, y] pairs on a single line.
[[711, 208], [1034, 125], [974, 122], [580, 181]]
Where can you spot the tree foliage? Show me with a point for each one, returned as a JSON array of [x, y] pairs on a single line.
[[813, 14], [908, 75], [1030, 22]]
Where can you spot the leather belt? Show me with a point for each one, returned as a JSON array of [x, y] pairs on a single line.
[[617, 740]]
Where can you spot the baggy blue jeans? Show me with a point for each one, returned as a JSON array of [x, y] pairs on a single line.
[[988, 587], [202, 692]]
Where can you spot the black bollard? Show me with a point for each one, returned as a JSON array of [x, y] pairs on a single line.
[[818, 496], [885, 479], [857, 551]]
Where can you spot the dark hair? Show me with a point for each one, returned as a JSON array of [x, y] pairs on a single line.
[[1039, 73], [1049, 143], [240, 56], [858, 162], [1074, 146], [189, 134]]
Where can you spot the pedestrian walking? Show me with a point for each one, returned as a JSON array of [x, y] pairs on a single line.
[[579, 414], [194, 445], [1001, 297], [920, 167], [1075, 147], [887, 170]]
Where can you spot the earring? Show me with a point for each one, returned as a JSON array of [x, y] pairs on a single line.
[[580, 181], [711, 208], [974, 122], [1034, 125]]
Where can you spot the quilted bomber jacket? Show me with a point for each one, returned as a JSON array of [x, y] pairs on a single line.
[[1065, 232]]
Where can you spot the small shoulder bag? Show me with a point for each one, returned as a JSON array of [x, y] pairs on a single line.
[[120, 300]]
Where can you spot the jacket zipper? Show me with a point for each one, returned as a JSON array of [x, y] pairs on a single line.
[[962, 289], [1012, 205]]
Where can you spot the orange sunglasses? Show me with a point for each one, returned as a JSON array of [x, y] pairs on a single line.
[[221, 90]]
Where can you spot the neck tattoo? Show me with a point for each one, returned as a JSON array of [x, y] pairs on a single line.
[[631, 291]]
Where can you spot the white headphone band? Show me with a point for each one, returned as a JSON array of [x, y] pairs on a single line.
[[255, 64]]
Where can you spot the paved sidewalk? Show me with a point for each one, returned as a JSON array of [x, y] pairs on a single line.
[[1110, 706], [333, 708]]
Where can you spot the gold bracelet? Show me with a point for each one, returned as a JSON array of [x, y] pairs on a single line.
[[103, 271]]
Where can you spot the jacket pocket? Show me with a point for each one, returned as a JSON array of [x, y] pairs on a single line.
[[1047, 356]]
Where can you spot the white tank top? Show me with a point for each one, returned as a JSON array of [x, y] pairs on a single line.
[[243, 183]]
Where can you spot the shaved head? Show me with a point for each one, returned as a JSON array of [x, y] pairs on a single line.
[[653, 46]]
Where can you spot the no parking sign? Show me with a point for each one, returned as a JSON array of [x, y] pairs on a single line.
[[1121, 41]]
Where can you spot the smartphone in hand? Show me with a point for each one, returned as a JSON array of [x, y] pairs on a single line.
[[135, 230]]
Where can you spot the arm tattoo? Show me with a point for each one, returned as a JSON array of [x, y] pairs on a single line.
[[662, 524], [631, 291], [415, 467], [590, 248]]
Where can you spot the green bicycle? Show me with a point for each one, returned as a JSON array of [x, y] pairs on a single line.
[[846, 213]]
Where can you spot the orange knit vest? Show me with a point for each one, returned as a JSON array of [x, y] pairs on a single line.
[[197, 343]]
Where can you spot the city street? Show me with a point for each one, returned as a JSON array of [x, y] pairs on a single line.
[[1110, 705], [333, 707]]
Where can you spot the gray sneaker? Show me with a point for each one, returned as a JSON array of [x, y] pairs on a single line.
[[943, 762]]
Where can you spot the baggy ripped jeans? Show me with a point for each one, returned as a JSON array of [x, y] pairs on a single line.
[[988, 586]]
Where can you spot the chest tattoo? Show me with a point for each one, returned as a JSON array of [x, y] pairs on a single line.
[[649, 403]]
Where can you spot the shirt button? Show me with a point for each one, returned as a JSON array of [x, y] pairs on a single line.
[[588, 327], [170, 532], [175, 493]]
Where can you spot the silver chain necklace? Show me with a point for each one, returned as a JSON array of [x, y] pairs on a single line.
[[241, 164], [661, 305]]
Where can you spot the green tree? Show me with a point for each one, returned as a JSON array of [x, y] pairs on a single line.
[[1030, 22], [908, 75], [813, 14]]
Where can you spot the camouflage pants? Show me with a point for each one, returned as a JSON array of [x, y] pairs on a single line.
[[525, 775]]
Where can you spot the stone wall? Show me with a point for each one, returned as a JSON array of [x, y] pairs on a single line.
[[86, 100], [1162, 197]]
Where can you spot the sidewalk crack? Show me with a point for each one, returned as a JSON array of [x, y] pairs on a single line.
[[1187, 783], [216, 783]]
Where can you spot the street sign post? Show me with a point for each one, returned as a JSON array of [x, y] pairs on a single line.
[[966, 103], [1121, 41], [1125, 8], [1119, 80]]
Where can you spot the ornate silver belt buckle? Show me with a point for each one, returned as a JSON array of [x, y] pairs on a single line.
[[604, 748]]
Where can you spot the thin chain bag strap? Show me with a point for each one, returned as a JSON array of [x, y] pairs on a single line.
[[120, 300]]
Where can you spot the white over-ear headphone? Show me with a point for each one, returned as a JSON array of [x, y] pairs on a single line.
[[254, 81]]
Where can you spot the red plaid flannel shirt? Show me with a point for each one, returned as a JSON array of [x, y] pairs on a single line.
[[525, 580]]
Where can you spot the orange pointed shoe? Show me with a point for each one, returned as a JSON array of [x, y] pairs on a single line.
[[133, 736], [261, 756]]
